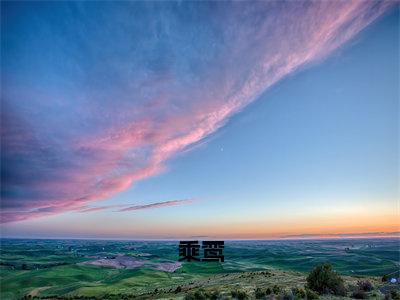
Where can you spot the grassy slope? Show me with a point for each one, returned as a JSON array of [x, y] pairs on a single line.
[[249, 281], [98, 282]]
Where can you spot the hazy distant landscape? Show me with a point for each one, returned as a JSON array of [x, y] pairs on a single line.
[[63, 268]]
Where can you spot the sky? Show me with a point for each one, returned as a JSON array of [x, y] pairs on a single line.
[[165, 120]]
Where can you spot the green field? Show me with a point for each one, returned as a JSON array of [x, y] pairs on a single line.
[[59, 268]]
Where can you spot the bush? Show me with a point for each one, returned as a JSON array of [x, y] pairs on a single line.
[[324, 280], [288, 296], [298, 293], [276, 289], [213, 295], [197, 295], [268, 291], [259, 293], [395, 294], [242, 295], [189, 296], [360, 294], [365, 285], [238, 294], [311, 295]]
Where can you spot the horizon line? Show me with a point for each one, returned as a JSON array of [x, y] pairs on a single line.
[[211, 238]]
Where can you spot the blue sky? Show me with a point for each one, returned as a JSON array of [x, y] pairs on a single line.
[[306, 145]]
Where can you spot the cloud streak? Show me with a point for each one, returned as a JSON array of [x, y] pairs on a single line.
[[124, 208], [97, 96], [156, 205], [97, 208], [345, 235]]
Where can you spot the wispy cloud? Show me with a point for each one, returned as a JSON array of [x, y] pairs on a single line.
[[124, 208], [157, 205], [97, 208], [97, 96], [344, 235]]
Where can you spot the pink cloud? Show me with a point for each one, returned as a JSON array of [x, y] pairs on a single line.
[[98, 208], [135, 135]]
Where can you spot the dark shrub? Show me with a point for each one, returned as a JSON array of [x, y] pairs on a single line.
[[298, 293], [200, 295], [259, 293], [238, 294], [395, 294], [197, 295], [189, 296], [311, 295], [213, 295], [178, 289], [276, 289], [360, 294], [365, 285], [288, 296], [242, 295], [268, 291], [324, 280]]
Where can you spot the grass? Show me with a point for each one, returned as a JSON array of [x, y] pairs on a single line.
[[246, 266]]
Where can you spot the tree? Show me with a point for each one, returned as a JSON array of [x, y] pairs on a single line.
[[324, 280]]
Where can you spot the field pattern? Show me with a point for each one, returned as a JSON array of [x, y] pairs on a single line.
[[93, 268]]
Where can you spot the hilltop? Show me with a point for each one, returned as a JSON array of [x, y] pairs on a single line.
[[245, 284]]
